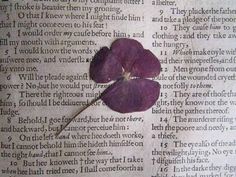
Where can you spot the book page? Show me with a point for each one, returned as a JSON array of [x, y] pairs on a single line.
[[46, 50]]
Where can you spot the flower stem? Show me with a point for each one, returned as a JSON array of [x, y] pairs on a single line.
[[80, 111]]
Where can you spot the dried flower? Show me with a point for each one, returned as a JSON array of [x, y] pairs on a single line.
[[129, 64]]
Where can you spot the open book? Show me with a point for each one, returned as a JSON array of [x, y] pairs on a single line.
[[46, 49]]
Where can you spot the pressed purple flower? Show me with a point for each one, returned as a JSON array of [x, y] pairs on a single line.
[[130, 65]]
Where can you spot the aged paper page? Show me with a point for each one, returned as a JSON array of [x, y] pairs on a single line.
[[46, 49]]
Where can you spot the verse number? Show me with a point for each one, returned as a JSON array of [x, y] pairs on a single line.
[[6, 52], [9, 120], [164, 145], [164, 169], [9, 138], [164, 119], [8, 34], [161, 12], [13, 163], [8, 95], [8, 16], [164, 95]]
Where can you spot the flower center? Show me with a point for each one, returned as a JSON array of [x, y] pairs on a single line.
[[126, 76]]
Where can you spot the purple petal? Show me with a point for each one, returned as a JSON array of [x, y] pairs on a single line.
[[132, 95], [105, 66], [146, 66], [127, 51]]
